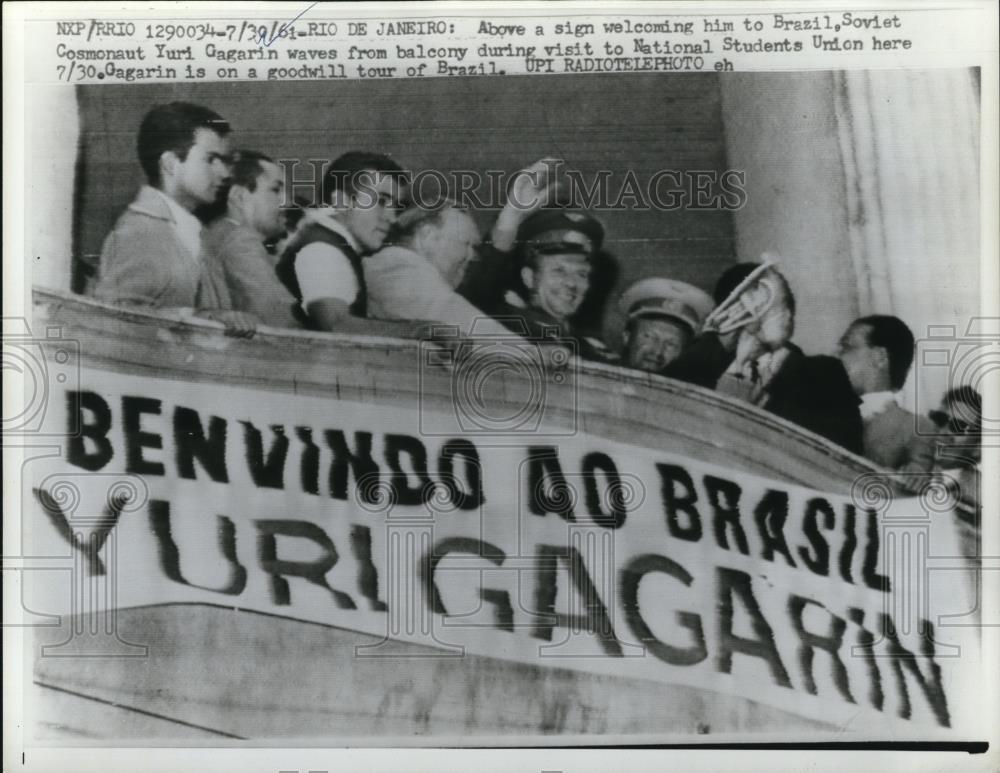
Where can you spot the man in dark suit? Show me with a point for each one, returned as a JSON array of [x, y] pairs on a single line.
[[757, 362], [877, 352]]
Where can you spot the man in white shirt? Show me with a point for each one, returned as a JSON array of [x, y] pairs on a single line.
[[877, 352], [153, 256], [415, 277], [745, 351], [322, 264]]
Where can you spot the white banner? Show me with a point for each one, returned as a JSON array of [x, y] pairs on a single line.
[[578, 553]]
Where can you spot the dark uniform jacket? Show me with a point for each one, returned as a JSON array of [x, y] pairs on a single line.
[[538, 325], [811, 391], [488, 276], [491, 275]]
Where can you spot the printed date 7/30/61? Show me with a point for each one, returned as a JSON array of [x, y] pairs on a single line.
[[245, 31]]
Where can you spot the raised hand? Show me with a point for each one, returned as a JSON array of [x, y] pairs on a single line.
[[532, 188]]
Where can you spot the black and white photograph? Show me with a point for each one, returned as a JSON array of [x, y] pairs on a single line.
[[447, 376]]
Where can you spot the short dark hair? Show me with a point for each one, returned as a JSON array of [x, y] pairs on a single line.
[[414, 218], [966, 395], [343, 172], [891, 334], [247, 168], [172, 127]]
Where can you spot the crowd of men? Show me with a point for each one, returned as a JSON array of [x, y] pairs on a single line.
[[362, 261]]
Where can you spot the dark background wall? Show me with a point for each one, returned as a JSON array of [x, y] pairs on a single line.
[[642, 123]]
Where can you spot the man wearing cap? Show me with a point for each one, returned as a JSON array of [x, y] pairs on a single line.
[[556, 279], [662, 316], [754, 359], [533, 273], [494, 281]]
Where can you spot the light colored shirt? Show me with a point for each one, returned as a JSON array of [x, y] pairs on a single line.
[[188, 226], [145, 260], [321, 269], [248, 271], [875, 403], [894, 438], [402, 284]]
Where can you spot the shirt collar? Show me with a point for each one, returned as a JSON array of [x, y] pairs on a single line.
[[177, 212], [875, 403], [325, 216], [188, 226]]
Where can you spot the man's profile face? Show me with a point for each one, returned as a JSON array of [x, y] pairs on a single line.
[[858, 357], [452, 244], [373, 209], [559, 284], [960, 427], [654, 343], [262, 206], [201, 175]]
